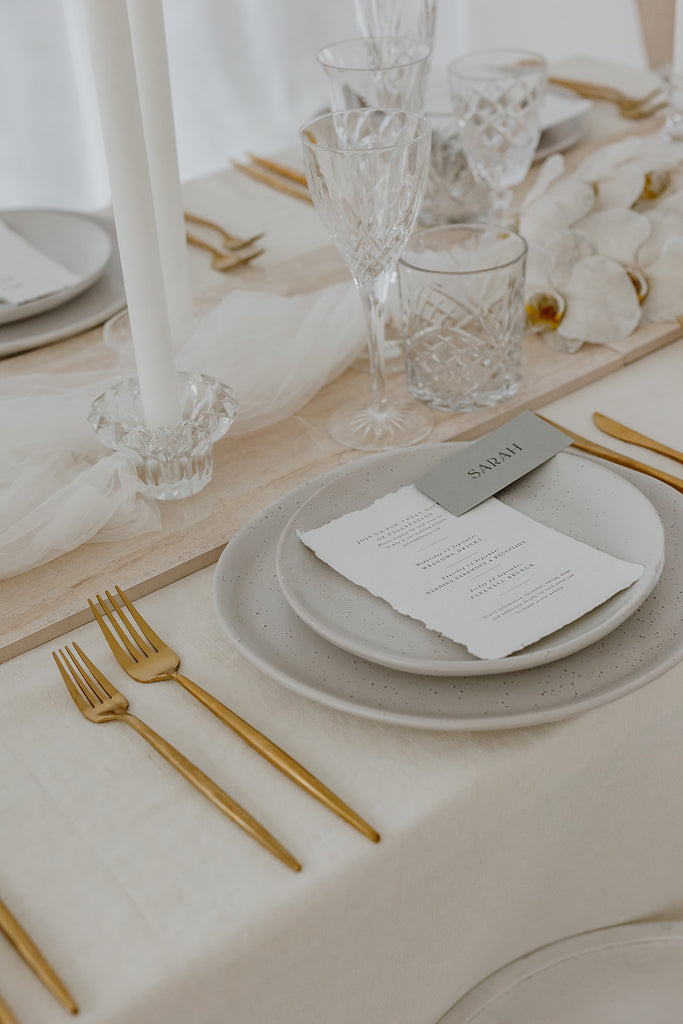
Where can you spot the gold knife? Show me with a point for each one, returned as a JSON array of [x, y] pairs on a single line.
[[598, 450], [623, 433], [27, 949]]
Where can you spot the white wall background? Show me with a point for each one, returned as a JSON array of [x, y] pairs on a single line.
[[244, 76]]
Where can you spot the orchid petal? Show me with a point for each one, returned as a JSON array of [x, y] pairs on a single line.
[[602, 305], [618, 234], [665, 298]]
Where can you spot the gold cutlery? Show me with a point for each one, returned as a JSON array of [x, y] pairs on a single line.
[[584, 445], [285, 172], [6, 1015], [230, 241], [147, 659], [624, 433], [278, 181], [99, 701], [629, 106], [29, 952], [224, 260]]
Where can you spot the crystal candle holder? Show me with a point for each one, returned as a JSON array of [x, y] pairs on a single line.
[[172, 462]]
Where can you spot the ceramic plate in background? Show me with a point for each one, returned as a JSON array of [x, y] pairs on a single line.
[[89, 309], [631, 974], [562, 122], [78, 243]]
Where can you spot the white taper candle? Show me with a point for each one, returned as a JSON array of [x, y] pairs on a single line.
[[151, 64], [124, 141]]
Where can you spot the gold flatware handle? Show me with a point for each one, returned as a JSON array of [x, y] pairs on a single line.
[[29, 952], [234, 241], [210, 790], [199, 243], [605, 92], [266, 178], [624, 433], [277, 757], [6, 1015], [281, 169], [584, 445]]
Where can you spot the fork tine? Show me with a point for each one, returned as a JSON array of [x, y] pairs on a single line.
[[142, 623], [119, 622], [122, 656], [105, 687], [88, 687], [76, 693]]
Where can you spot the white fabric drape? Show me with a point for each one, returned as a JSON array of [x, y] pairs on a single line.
[[244, 76]]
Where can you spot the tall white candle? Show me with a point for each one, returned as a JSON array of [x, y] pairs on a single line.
[[124, 141], [677, 63], [151, 64]]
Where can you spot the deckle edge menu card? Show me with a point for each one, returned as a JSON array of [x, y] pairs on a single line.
[[491, 579]]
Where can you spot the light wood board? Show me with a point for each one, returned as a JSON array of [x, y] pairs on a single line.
[[250, 472]]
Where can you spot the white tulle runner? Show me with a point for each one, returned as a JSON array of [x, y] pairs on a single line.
[[60, 487]]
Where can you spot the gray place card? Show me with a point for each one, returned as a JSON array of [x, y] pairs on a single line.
[[491, 463]]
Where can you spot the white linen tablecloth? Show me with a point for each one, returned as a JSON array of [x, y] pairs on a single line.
[[156, 908]]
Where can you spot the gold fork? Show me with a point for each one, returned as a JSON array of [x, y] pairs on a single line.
[[223, 261], [99, 701], [230, 241], [148, 659]]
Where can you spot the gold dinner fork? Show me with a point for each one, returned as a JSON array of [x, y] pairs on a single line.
[[99, 701], [223, 261], [148, 659]]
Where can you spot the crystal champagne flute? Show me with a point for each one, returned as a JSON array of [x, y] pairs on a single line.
[[366, 171]]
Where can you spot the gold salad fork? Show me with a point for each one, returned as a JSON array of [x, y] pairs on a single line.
[[99, 701], [148, 659], [223, 261], [230, 241]]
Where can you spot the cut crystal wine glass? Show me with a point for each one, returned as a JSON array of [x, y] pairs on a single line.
[[366, 171], [415, 18], [498, 97]]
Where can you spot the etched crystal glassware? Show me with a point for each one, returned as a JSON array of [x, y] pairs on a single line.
[[462, 291], [498, 97], [387, 71], [452, 192], [415, 18], [366, 171]]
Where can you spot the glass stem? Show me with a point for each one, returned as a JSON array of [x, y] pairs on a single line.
[[500, 204], [374, 296]]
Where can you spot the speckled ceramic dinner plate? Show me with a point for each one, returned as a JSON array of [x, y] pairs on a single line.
[[630, 974], [582, 499], [258, 620]]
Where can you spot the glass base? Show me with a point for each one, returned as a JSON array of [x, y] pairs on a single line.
[[171, 462], [376, 428]]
